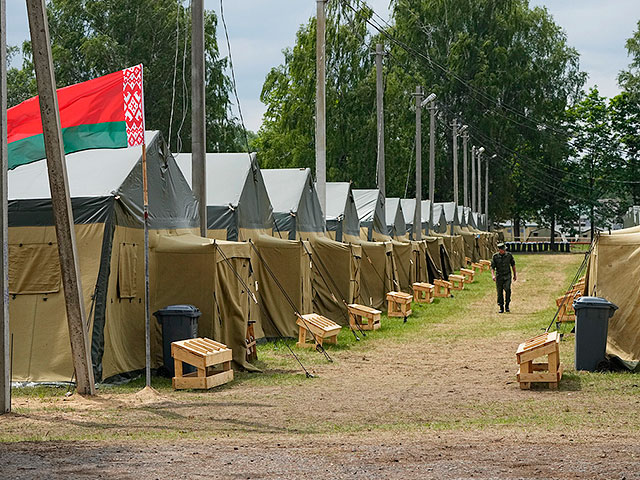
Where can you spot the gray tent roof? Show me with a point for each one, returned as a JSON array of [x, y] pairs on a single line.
[[236, 194], [450, 212], [294, 199], [341, 215], [439, 221], [462, 216], [100, 179], [371, 211], [394, 217]]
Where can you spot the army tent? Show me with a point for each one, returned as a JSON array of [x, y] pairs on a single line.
[[188, 269], [394, 218], [238, 206], [341, 216], [371, 212], [614, 273], [296, 208], [409, 209], [106, 196], [451, 216], [438, 223]]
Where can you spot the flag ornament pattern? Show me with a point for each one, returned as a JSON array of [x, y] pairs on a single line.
[[106, 112]]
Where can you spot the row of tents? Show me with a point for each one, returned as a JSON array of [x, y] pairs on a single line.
[[269, 255]]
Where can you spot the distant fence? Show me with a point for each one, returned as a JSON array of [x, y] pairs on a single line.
[[538, 247]]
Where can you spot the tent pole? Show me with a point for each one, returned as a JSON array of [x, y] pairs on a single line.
[[5, 361], [60, 198], [147, 323]]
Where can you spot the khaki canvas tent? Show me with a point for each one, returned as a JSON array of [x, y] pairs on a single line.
[[614, 273], [335, 266], [238, 208], [394, 219], [296, 208], [188, 269], [343, 224], [371, 212], [106, 196]]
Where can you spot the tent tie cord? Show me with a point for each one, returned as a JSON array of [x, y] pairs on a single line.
[[261, 307], [579, 272], [393, 282], [319, 347], [329, 288]]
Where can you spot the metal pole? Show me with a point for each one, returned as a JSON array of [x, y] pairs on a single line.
[[60, 199], [198, 131], [432, 160], [486, 192], [479, 157], [465, 168], [5, 359], [321, 125], [473, 178], [380, 116], [455, 161], [147, 308], [417, 219]]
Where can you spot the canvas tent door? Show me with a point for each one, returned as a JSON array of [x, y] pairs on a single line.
[[403, 258], [614, 274], [336, 277], [211, 275], [377, 273], [283, 272]]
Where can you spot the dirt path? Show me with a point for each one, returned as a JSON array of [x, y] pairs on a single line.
[[440, 404]]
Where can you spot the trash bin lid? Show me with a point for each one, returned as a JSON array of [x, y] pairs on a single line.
[[182, 310], [593, 302]]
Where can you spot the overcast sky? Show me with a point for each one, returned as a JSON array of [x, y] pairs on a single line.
[[260, 29]]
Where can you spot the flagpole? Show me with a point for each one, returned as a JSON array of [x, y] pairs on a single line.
[[147, 322]]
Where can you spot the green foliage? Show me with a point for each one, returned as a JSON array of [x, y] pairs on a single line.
[[92, 38]]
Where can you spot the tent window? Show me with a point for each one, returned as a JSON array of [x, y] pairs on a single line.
[[34, 268], [127, 263]]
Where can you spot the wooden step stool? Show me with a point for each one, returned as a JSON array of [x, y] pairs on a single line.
[[442, 288], [565, 311], [399, 304], [457, 282], [321, 329], [423, 292], [211, 359], [250, 340], [549, 372], [468, 275], [362, 317], [476, 267], [486, 264]]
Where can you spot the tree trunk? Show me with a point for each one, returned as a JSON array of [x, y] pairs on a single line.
[[516, 229]]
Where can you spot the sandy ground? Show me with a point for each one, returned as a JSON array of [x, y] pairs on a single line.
[[442, 408]]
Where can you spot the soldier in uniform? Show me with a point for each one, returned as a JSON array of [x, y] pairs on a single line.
[[501, 265]]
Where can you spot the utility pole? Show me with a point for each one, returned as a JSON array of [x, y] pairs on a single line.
[[486, 190], [432, 155], [473, 178], [479, 153], [455, 161], [417, 219], [5, 358], [198, 132], [465, 166], [60, 198], [321, 121], [380, 115]]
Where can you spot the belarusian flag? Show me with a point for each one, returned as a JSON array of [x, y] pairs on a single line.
[[107, 112]]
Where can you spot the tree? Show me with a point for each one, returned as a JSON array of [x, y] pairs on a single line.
[[92, 38]]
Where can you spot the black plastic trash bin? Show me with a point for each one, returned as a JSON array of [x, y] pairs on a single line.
[[592, 325], [179, 322]]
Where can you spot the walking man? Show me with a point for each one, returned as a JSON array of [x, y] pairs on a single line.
[[501, 265]]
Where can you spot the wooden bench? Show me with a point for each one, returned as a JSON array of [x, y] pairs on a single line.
[[456, 281], [399, 304], [250, 340], [363, 317], [477, 267], [468, 274], [320, 328], [550, 372], [423, 292], [486, 264], [211, 359], [442, 288]]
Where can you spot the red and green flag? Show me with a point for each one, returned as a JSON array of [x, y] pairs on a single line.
[[106, 112]]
